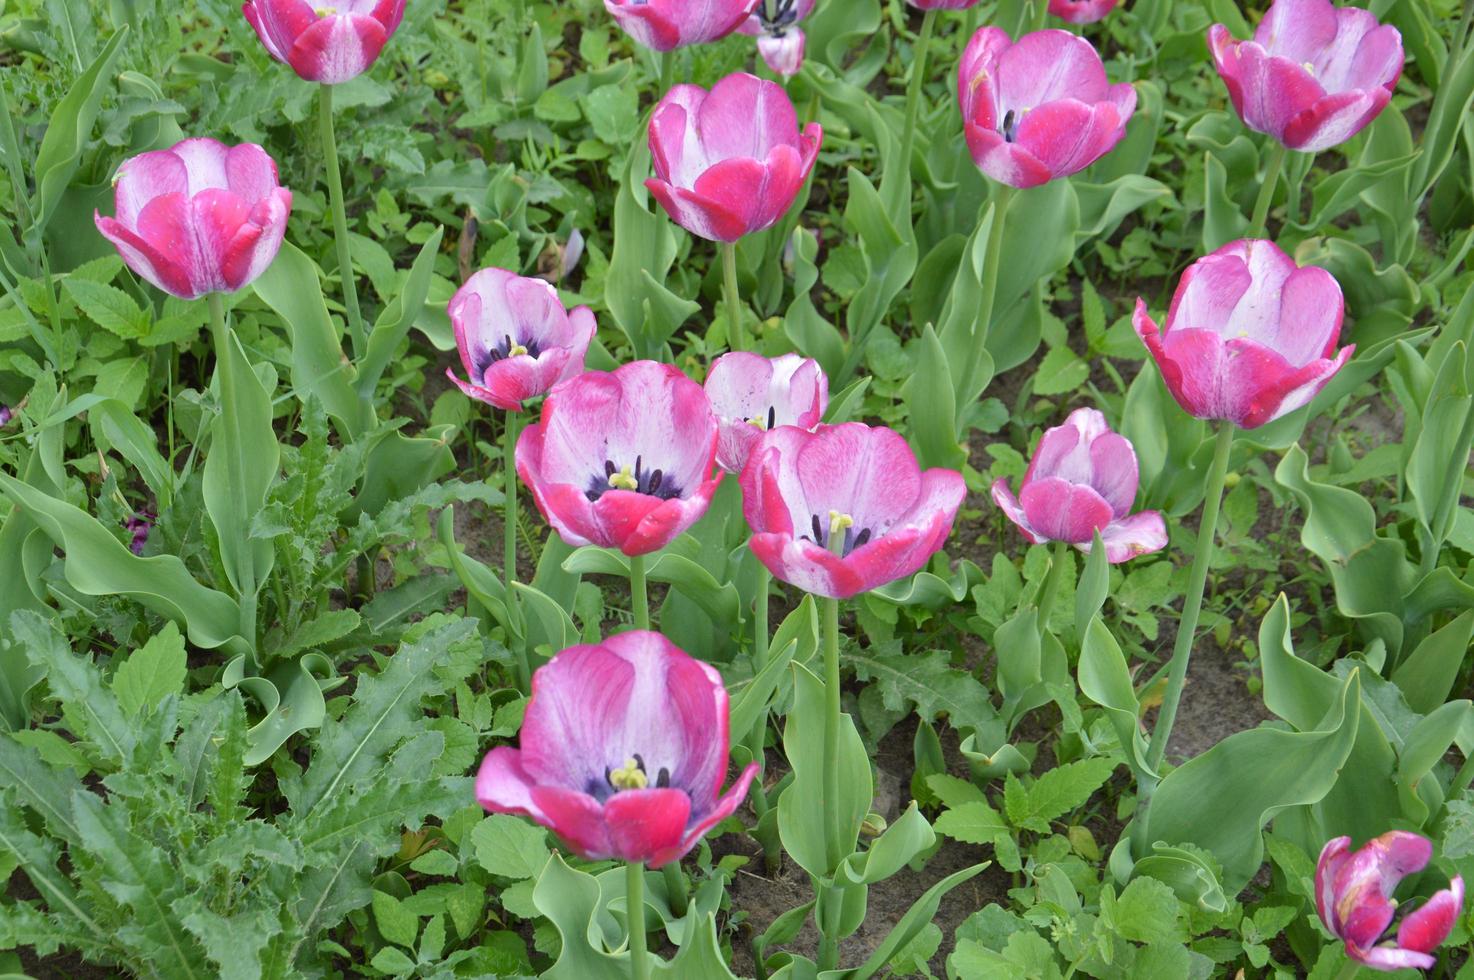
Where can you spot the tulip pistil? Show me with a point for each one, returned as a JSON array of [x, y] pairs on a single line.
[[841, 537], [636, 480], [766, 425]]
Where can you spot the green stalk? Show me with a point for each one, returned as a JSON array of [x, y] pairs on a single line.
[[1257, 224], [1193, 603], [639, 595], [757, 742], [509, 536], [1348, 969], [735, 339], [675, 887], [913, 88], [246, 572], [1059, 553], [356, 333], [983, 320], [667, 61], [831, 731], [634, 883]]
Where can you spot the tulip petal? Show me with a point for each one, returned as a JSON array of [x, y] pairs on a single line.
[[1297, 29], [337, 48], [1008, 503], [1332, 857], [1425, 929], [146, 260], [1064, 511], [724, 807], [647, 825], [577, 818], [1132, 536], [503, 786], [1048, 65]]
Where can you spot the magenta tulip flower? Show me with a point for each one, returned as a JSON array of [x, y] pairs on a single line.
[[1250, 336], [730, 161], [1081, 11], [780, 40], [623, 752], [1081, 480], [1039, 108], [329, 43], [515, 338], [845, 509], [1353, 895], [201, 217], [752, 394], [1313, 75], [664, 25], [622, 459]]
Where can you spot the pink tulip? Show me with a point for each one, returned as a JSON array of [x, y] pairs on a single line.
[[325, 43], [623, 752], [731, 161], [941, 4], [1081, 11], [1313, 76], [199, 218], [802, 489], [1249, 336], [623, 459], [1353, 895], [780, 40], [752, 394], [1039, 108], [516, 340], [1081, 480], [664, 25]]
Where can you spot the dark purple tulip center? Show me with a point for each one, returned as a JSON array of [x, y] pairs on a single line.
[[505, 348], [653, 483], [853, 537], [1009, 129], [777, 16], [628, 777]]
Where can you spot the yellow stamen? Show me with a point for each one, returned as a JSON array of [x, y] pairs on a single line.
[[517, 351], [631, 776], [839, 522], [1309, 69], [762, 424], [326, 11], [624, 480]]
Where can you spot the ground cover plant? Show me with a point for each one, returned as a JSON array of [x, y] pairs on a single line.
[[736, 488]]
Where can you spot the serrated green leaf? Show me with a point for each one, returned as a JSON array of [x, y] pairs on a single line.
[[954, 792], [1055, 793], [395, 922], [972, 823], [1148, 912], [152, 672], [510, 846], [108, 307]]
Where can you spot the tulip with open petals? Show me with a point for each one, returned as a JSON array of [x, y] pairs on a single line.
[[1313, 75], [664, 25], [622, 459], [752, 394], [780, 40], [201, 217], [1081, 480], [623, 752], [1081, 11], [1040, 108], [515, 338], [327, 43], [845, 509], [730, 161], [1250, 336], [1353, 895]]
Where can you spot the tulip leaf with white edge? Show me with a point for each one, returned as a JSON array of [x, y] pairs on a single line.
[[97, 563], [393, 324], [293, 288], [1222, 799]]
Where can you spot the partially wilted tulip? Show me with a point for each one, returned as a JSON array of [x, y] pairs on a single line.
[[730, 161], [780, 40], [1313, 75], [845, 509], [1353, 896], [201, 217], [623, 752], [327, 43], [1081, 480], [622, 459], [1081, 11], [515, 338], [1040, 108], [752, 394], [664, 25], [1250, 336]]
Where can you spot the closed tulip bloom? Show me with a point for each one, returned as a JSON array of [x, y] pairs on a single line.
[[622, 459], [1081, 11], [1081, 480], [328, 43], [780, 40], [623, 752], [752, 394], [730, 161], [1250, 336], [664, 25], [199, 218], [1040, 108], [515, 338], [1313, 75], [1353, 896], [845, 509]]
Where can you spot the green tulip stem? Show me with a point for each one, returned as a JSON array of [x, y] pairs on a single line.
[[509, 534], [828, 930], [356, 333], [1348, 969], [634, 880], [914, 87], [1192, 605], [983, 319], [667, 61], [675, 887], [639, 594], [246, 571], [1059, 553], [1258, 225], [757, 741], [733, 297]]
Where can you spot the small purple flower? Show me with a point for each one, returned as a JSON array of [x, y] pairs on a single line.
[[5, 415], [139, 525]]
